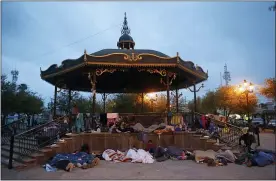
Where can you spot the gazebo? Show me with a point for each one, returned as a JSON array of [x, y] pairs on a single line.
[[124, 70]]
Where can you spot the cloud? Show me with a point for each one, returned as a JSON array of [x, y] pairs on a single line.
[[35, 34]]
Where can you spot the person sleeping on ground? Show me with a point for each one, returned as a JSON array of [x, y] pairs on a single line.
[[261, 159], [79, 159]]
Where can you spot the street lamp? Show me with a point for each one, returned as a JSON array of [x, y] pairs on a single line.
[[246, 88], [152, 97], [195, 91], [176, 97]]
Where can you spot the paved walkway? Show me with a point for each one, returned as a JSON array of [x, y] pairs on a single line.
[[164, 170]]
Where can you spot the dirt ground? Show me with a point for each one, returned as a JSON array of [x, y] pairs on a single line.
[[162, 170]]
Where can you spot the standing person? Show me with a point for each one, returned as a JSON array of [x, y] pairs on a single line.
[[88, 122], [257, 132], [75, 112], [203, 121], [79, 124]]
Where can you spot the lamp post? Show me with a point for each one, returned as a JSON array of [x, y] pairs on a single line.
[[151, 97], [195, 91], [176, 96], [246, 88]]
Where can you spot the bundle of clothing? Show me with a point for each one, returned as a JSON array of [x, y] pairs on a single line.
[[132, 155]]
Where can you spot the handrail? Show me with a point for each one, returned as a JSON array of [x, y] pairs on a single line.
[[34, 139], [229, 135], [228, 124], [40, 126], [14, 122]]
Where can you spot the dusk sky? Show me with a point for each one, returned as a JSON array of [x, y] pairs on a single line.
[[210, 34]]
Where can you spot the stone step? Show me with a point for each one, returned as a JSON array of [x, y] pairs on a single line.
[[15, 164], [16, 155], [21, 160], [18, 150]]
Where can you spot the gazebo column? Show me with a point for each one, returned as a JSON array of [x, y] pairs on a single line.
[[169, 78], [176, 101], [92, 78], [69, 101], [94, 93], [142, 102], [168, 93], [104, 96], [55, 101]]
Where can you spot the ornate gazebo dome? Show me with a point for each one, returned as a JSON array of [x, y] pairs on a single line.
[[125, 41]]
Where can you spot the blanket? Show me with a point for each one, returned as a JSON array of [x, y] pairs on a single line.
[[227, 155], [140, 128], [115, 156], [139, 156], [262, 159], [75, 158], [201, 155]]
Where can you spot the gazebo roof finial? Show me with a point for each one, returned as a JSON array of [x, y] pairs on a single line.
[[125, 28]]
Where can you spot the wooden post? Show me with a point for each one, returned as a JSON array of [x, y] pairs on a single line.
[[55, 101]]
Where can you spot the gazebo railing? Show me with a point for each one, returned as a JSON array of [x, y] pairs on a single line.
[[31, 141]]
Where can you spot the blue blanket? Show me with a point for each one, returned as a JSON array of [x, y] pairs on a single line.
[[262, 159], [74, 158]]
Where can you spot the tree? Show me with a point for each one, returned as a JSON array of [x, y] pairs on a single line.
[[125, 103], [18, 98], [198, 105], [7, 97], [84, 103], [269, 90], [161, 103], [229, 99], [208, 103]]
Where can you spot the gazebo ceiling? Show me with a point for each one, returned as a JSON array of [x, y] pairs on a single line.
[[124, 70]]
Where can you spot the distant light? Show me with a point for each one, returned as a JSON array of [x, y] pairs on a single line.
[[151, 95], [245, 83], [241, 89]]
